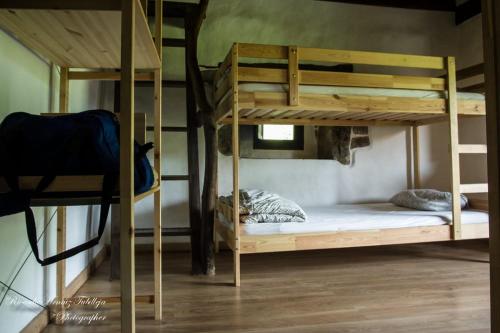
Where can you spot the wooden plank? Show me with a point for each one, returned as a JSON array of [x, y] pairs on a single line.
[[62, 4], [236, 166], [491, 49], [416, 156], [371, 58], [324, 78], [343, 239], [127, 239], [79, 38], [293, 76], [108, 76], [472, 149], [157, 243], [470, 71], [474, 188], [452, 109], [61, 211], [317, 122], [246, 50]]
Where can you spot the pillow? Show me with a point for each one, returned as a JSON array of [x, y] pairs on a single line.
[[427, 199]]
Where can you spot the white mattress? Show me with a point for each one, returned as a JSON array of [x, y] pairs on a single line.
[[360, 217], [335, 90]]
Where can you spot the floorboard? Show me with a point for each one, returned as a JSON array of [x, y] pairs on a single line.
[[437, 288]]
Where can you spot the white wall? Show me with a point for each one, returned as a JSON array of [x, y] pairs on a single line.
[[26, 86]]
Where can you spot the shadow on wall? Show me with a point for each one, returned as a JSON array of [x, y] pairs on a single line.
[[173, 215]]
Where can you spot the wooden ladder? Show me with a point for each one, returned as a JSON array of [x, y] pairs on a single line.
[[174, 10]]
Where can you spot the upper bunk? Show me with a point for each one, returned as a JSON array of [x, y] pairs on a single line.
[[288, 93], [78, 33]]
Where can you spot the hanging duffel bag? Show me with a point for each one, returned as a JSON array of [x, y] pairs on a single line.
[[76, 144]]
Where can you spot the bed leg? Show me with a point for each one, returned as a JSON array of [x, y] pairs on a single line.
[[236, 268]]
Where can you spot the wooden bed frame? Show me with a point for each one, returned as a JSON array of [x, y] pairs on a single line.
[[292, 107]]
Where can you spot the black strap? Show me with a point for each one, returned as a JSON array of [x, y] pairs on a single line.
[[108, 186]]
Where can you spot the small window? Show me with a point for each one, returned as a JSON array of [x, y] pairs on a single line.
[[281, 137]]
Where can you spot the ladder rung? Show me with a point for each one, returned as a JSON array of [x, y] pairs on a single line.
[[168, 129], [472, 149], [149, 232], [173, 42], [175, 177], [474, 188], [165, 83]]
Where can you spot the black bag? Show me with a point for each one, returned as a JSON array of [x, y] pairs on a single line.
[[85, 143]]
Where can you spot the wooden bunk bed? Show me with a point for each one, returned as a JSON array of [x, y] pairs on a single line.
[[103, 36], [298, 102]]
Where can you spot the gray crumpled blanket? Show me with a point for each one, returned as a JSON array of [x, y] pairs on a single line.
[[427, 199], [257, 206]]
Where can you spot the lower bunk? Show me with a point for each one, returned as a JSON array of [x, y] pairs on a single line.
[[341, 226]]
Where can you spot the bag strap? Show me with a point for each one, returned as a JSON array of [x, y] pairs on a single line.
[[109, 182]]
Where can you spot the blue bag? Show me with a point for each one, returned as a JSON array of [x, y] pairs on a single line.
[[85, 143]]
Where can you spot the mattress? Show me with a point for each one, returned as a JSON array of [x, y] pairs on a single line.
[[336, 90], [354, 217]]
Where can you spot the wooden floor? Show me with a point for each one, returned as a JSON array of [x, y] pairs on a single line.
[[414, 288]]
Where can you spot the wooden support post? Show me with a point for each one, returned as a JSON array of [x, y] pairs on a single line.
[[293, 75], [127, 237], [61, 211], [454, 155], [236, 167], [491, 37], [416, 156], [157, 163]]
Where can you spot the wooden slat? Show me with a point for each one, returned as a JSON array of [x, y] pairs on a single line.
[[293, 75], [107, 76], [452, 109], [317, 122], [157, 238], [343, 239], [323, 78], [127, 239], [472, 149], [236, 165], [62, 4], [371, 58], [246, 50], [79, 38], [474, 188], [416, 156]]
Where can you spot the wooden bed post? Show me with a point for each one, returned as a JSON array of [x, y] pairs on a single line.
[[127, 241], [491, 37], [416, 156], [293, 75], [61, 211], [236, 166], [452, 109], [157, 161]]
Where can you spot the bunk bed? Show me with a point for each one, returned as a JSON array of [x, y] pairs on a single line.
[[112, 39], [253, 95]]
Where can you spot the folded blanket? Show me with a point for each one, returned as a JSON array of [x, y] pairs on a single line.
[[424, 199], [257, 206]]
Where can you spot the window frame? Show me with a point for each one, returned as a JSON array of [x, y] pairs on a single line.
[[296, 144]]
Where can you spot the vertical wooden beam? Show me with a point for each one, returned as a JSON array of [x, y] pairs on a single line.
[[293, 75], [236, 167], [157, 161], [127, 237], [491, 37], [416, 156], [454, 155], [61, 211]]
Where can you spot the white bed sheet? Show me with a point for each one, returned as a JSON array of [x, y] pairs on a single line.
[[360, 217], [336, 90]]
